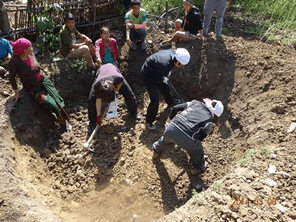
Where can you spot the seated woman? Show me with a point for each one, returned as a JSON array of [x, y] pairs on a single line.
[[106, 48], [23, 63], [108, 83]]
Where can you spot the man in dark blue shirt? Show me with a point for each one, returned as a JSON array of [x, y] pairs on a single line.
[[155, 71]]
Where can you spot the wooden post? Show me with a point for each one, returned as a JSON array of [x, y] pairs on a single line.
[[29, 10], [4, 24], [15, 18], [93, 10], [166, 15]]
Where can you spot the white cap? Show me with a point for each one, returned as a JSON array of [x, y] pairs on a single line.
[[182, 55], [217, 109]]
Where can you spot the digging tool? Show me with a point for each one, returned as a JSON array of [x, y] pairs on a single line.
[[87, 144], [174, 90]]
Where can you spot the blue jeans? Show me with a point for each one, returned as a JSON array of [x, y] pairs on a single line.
[[209, 7], [139, 34], [173, 135]]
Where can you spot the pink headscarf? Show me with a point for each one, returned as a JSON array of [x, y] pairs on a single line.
[[20, 45]]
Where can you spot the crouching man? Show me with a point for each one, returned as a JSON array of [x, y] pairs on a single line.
[[190, 123]]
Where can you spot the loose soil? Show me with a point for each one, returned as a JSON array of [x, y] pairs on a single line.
[[46, 175]]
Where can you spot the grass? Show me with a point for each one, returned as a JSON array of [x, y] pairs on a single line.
[[157, 7], [276, 17], [199, 197], [251, 153]]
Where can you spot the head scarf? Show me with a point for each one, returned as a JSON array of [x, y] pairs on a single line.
[[20, 45], [217, 109]]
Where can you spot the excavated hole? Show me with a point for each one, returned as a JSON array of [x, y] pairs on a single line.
[[120, 181]]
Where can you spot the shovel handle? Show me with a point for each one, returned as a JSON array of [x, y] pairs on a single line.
[[92, 136]]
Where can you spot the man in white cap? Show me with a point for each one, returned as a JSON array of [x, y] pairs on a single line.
[[190, 123], [187, 30], [155, 71]]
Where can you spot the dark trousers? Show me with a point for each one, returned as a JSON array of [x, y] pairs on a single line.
[[127, 93], [140, 34], [153, 87], [173, 135]]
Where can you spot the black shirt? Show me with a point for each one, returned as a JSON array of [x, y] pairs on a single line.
[[194, 115], [192, 21], [158, 65]]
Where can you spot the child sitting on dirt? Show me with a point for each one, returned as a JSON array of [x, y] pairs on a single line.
[[135, 21], [72, 48], [23, 63], [106, 48], [190, 123], [188, 29]]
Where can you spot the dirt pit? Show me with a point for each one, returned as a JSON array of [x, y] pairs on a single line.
[[48, 176]]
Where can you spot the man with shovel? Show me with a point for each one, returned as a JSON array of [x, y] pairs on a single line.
[[108, 83], [154, 72]]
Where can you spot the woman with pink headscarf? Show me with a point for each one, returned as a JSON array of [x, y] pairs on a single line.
[[24, 64]]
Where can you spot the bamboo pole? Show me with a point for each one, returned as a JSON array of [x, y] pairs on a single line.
[[29, 6], [166, 15]]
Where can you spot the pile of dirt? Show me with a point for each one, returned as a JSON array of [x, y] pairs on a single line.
[[120, 181]]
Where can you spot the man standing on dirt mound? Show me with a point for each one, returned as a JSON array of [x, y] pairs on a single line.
[[155, 71], [108, 83], [190, 123], [209, 7]]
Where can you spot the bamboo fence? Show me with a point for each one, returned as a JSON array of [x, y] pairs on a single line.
[[87, 12]]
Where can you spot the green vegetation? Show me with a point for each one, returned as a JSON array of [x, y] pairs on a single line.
[[157, 7], [77, 65], [277, 18], [48, 39], [251, 153]]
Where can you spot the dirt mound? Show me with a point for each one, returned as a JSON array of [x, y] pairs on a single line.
[[120, 182]]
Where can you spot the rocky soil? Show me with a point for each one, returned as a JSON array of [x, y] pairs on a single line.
[[46, 175]]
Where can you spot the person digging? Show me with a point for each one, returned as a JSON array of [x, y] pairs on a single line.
[[190, 123], [155, 71], [108, 83]]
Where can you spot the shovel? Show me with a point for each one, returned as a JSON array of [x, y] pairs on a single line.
[[88, 143], [174, 90]]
